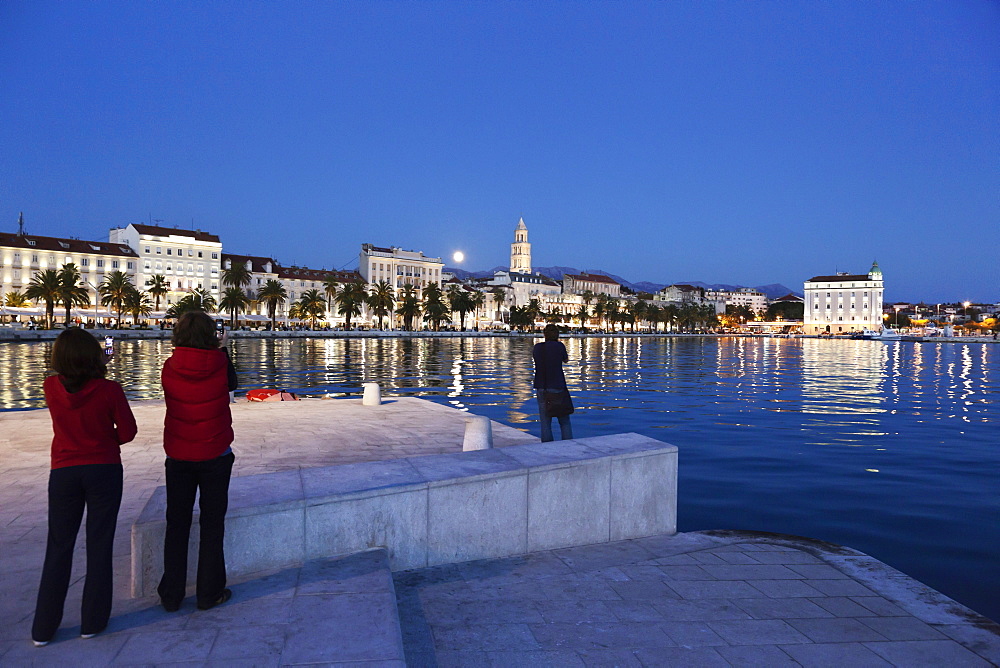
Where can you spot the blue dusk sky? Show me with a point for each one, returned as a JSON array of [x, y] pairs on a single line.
[[727, 142]]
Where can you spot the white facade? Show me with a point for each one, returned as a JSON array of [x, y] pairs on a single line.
[[525, 287], [24, 255], [596, 283], [187, 259], [755, 299], [520, 250], [843, 303], [398, 267]]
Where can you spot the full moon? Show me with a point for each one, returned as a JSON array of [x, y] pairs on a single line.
[[458, 256]]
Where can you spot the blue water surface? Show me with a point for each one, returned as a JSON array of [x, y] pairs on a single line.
[[890, 448]]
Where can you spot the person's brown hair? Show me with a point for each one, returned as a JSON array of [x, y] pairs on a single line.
[[77, 357], [551, 332], [195, 329]]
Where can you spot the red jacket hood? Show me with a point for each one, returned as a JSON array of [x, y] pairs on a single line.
[[60, 397], [195, 364]]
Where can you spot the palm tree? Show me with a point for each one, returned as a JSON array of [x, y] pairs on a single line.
[[237, 276], [137, 304], [273, 294], [330, 287], [16, 298], [158, 288], [588, 296], [381, 300], [435, 309], [460, 300], [349, 301], [582, 315], [409, 305], [45, 286], [198, 299], [71, 293], [478, 299], [114, 289], [312, 305], [233, 300], [499, 296], [534, 310]]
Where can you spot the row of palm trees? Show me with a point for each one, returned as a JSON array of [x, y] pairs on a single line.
[[64, 287], [609, 313]]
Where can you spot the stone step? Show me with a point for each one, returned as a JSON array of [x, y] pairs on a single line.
[[344, 610]]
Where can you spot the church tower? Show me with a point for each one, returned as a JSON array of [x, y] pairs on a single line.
[[520, 250]]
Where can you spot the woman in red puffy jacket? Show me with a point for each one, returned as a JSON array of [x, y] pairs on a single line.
[[91, 419], [197, 435]]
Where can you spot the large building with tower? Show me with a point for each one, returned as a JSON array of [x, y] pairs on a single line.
[[520, 250], [843, 303]]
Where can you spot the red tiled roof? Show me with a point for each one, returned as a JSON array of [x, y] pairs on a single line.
[[834, 279], [789, 298], [34, 242], [257, 263], [593, 278], [156, 230], [306, 274]]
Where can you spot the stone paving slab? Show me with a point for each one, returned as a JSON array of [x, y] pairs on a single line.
[[694, 599], [328, 612], [270, 437]]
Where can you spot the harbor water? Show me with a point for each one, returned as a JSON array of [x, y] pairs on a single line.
[[890, 448]]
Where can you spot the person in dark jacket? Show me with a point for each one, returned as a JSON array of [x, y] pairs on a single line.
[[549, 379], [91, 419], [197, 437]]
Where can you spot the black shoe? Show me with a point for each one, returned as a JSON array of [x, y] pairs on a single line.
[[170, 606], [225, 596]]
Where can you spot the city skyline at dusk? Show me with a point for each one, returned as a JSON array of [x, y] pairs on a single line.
[[725, 143]]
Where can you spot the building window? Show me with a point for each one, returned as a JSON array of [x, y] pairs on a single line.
[[169, 251], [215, 286], [100, 264], [34, 259], [190, 253], [114, 264], [85, 262], [159, 251], [147, 250], [130, 266], [215, 256], [17, 257]]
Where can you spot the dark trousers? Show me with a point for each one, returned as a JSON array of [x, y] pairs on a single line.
[[565, 429], [211, 480], [98, 488]]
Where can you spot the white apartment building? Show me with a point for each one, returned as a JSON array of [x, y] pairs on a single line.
[[398, 267], [525, 287], [23, 255], [577, 284], [755, 299], [187, 259], [843, 302], [683, 293]]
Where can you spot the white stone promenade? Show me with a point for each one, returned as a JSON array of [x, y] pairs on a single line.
[[713, 598]]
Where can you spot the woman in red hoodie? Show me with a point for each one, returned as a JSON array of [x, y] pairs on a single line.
[[197, 435], [91, 419]]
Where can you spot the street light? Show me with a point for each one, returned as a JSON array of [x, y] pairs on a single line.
[[966, 306]]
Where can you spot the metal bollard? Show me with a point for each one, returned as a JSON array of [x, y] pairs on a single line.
[[372, 396], [478, 433]]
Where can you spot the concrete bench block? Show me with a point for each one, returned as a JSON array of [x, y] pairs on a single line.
[[643, 495], [480, 519], [436, 509], [396, 521], [568, 505]]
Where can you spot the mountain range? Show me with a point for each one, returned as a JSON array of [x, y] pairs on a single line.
[[772, 290]]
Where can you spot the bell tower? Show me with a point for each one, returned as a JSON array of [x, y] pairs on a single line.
[[520, 250]]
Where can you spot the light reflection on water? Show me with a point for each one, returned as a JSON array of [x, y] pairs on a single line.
[[889, 448]]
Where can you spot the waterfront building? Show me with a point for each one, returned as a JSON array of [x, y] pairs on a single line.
[[398, 267], [754, 299], [23, 255], [599, 284], [525, 287], [843, 302], [520, 250], [188, 259]]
